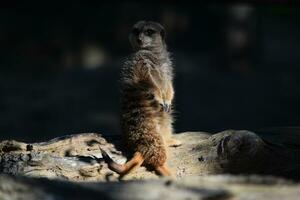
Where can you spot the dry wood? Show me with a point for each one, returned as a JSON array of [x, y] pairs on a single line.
[[78, 158]]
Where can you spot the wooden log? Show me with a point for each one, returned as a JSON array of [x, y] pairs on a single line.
[[78, 158]]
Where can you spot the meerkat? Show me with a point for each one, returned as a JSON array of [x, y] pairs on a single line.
[[146, 96]]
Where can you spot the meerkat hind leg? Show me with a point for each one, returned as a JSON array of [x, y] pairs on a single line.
[[133, 164], [131, 168], [123, 169], [163, 170]]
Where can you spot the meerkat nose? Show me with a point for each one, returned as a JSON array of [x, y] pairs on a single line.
[[139, 41]]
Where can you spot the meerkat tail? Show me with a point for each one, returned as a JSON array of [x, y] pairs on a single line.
[[163, 170], [126, 168]]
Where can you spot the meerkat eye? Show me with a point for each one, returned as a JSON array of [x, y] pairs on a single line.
[[149, 32], [135, 31]]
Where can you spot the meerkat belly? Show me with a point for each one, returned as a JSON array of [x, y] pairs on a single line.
[[140, 126]]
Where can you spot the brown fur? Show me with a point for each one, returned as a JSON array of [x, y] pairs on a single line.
[[146, 120]]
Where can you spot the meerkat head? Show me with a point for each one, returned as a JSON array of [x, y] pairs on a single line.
[[147, 35]]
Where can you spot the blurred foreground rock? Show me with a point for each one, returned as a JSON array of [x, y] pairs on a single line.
[[78, 158], [205, 187]]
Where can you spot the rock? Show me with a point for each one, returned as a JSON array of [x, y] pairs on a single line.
[[71, 165], [78, 157], [74, 157], [202, 187]]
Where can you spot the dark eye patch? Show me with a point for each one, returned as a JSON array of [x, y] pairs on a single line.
[[149, 32], [135, 31]]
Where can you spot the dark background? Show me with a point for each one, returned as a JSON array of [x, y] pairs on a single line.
[[237, 66]]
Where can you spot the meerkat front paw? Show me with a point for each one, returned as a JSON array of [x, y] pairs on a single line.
[[166, 107]]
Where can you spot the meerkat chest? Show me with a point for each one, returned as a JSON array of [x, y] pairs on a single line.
[[166, 74]]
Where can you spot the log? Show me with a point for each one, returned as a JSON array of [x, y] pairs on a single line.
[[78, 158], [73, 157]]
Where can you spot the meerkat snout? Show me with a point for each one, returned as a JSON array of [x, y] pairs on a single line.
[[139, 41]]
